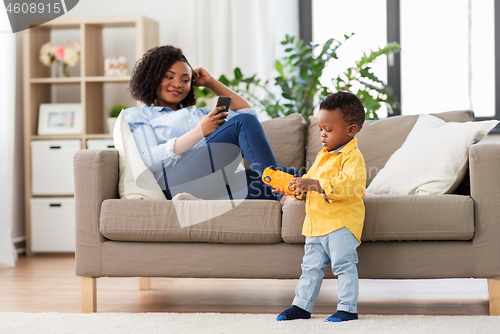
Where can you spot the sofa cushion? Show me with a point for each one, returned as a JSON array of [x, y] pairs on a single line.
[[401, 218], [286, 138], [432, 159], [244, 221], [379, 139], [136, 180]]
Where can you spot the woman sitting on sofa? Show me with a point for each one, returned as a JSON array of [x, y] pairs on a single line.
[[194, 150]]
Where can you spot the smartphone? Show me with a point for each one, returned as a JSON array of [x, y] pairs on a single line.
[[224, 101]]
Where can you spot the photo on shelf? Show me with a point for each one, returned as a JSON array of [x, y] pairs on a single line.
[[60, 119]]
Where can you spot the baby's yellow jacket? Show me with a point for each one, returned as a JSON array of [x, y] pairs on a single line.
[[342, 175]]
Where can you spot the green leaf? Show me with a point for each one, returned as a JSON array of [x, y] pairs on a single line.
[[371, 115], [237, 73], [224, 80], [199, 92], [391, 47], [279, 67]]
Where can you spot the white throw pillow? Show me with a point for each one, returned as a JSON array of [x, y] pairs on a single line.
[[136, 180], [431, 158]]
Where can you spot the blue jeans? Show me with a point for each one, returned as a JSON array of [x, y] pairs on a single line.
[[209, 171], [337, 248]]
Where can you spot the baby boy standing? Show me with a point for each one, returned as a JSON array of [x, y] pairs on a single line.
[[335, 186]]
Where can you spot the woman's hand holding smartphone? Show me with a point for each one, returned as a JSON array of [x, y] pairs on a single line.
[[224, 101]]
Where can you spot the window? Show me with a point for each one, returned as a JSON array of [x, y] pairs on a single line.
[[448, 56], [366, 18]]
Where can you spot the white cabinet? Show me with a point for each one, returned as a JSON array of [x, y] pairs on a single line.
[[52, 166], [53, 224]]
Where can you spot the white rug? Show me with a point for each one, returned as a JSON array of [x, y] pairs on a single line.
[[151, 323]]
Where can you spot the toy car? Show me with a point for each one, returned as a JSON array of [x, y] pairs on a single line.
[[279, 180]]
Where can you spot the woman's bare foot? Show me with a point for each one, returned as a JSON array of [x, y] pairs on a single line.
[[185, 197]]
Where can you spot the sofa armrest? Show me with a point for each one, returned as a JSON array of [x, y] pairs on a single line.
[[96, 179], [484, 160]]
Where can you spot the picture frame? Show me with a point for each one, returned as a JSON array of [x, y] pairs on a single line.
[[60, 119]]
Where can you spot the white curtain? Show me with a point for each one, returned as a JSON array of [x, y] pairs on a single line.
[[7, 132], [220, 35], [223, 34]]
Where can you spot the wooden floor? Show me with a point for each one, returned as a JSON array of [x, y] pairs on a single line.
[[48, 284]]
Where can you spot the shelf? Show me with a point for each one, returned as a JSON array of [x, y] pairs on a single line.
[[125, 78], [50, 137], [101, 38], [86, 136], [56, 80], [51, 195], [99, 136], [106, 21]]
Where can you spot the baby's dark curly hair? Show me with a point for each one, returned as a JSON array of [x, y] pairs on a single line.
[[149, 71], [349, 104]]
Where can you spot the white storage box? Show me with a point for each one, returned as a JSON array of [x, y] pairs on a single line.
[[52, 166], [100, 144], [53, 224]]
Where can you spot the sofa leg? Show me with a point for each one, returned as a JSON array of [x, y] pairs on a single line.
[[89, 294], [144, 283], [494, 292]]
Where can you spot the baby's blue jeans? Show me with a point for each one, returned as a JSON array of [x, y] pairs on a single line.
[[337, 248]]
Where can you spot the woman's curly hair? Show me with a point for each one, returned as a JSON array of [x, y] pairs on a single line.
[[149, 71]]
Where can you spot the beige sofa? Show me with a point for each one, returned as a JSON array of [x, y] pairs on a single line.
[[405, 237]]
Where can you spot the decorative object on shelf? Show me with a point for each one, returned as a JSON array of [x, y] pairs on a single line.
[[113, 112], [60, 119], [64, 55], [114, 67]]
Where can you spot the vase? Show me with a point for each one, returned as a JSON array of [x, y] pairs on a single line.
[[62, 70]]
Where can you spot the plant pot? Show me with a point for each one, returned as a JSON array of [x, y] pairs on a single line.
[[111, 124]]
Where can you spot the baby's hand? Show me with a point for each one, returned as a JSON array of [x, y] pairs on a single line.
[[279, 191], [300, 185]]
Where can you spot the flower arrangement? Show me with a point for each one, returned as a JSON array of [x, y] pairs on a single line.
[[65, 55], [115, 66]]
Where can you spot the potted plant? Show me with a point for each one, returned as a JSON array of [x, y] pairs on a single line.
[[299, 77], [113, 112]]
